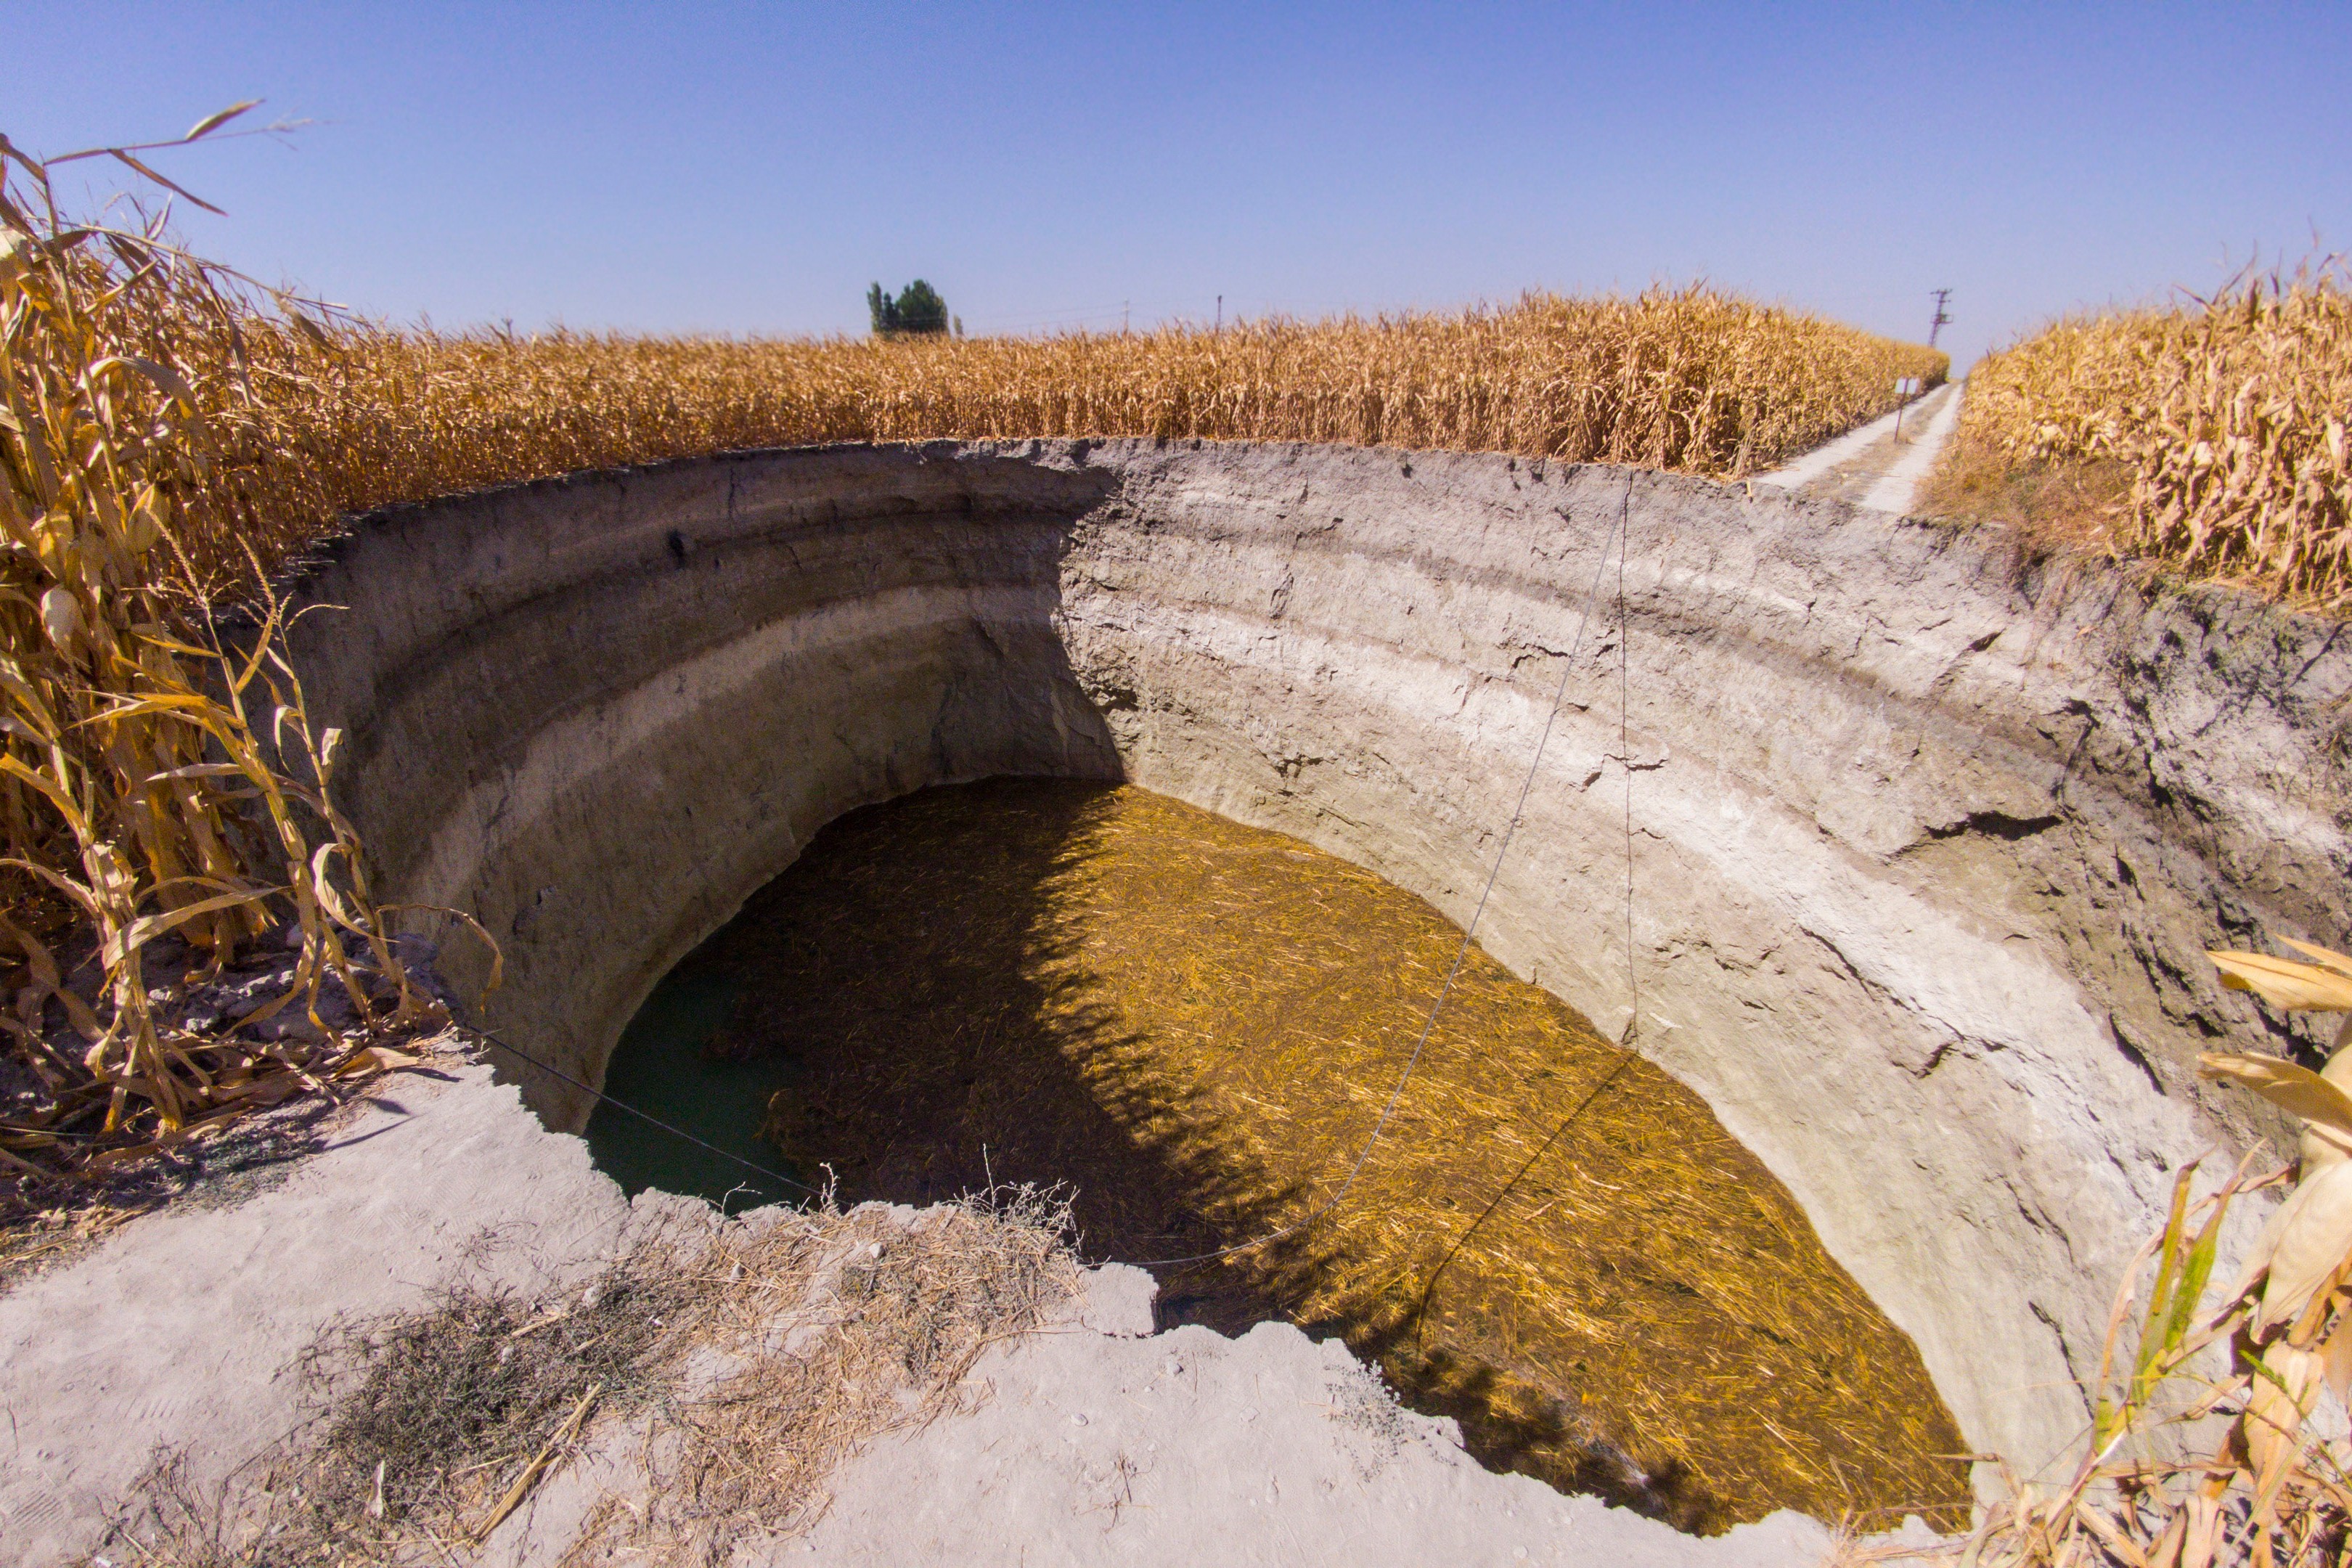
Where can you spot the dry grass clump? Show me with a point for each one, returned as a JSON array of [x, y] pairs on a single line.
[[2055, 504], [423, 1422], [427, 1412], [2207, 436], [721, 1374], [899, 1314]]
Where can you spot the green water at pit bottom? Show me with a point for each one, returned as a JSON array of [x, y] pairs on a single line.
[[663, 1065]]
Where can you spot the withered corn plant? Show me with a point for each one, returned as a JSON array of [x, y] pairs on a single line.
[[2223, 421], [2188, 1470], [159, 773]]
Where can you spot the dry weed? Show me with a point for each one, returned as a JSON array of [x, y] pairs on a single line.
[[742, 1363], [897, 1315], [2056, 505], [435, 1412]]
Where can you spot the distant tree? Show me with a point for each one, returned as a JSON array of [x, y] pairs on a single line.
[[918, 308]]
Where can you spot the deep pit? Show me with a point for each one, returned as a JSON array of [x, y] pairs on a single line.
[[1929, 839], [1195, 1025]]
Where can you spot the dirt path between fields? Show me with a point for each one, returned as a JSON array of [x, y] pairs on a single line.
[[1881, 463]]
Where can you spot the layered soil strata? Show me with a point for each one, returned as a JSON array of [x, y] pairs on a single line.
[[1927, 841]]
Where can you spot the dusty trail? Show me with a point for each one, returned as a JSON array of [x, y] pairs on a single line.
[[1880, 465]]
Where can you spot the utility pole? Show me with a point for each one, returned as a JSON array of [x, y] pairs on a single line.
[[1122, 318], [1221, 313], [1937, 325]]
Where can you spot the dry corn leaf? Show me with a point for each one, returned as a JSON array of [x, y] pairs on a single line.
[[2284, 982], [2285, 1084], [2336, 1357], [2284, 1385], [2305, 1241], [2327, 957], [376, 1059]]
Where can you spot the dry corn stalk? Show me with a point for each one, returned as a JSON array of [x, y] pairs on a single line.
[[2227, 415], [2268, 1492], [144, 754]]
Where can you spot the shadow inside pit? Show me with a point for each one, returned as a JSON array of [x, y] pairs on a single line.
[[866, 1020]]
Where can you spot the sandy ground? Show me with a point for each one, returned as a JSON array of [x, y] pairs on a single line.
[[1880, 465], [1187, 1447], [1098, 1442]]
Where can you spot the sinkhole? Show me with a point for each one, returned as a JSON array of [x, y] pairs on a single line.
[[1899, 853], [1194, 1027]]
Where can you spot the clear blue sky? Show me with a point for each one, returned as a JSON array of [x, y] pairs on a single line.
[[746, 168]]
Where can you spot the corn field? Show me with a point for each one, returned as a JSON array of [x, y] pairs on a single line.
[[2226, 417], [356, 416], [172, 434]]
